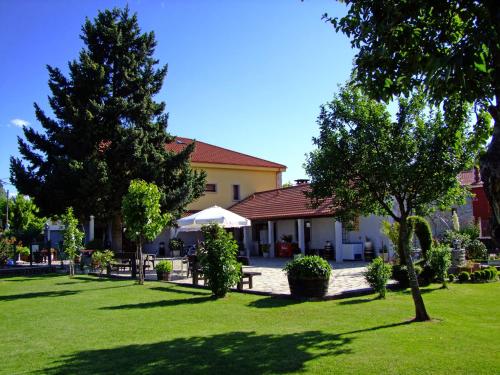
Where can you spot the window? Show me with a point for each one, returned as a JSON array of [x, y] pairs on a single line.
[[211, 188], [236, 192]]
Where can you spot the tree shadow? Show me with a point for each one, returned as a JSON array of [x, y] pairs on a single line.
[[176, 289], [21, 279], [54, 293], [162, 303], [423, 290], [231, 353], [273, 302], [356, 301]]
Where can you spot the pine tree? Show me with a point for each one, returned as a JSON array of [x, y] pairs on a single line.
[[107, 130]]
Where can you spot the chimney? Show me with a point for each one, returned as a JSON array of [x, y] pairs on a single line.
[[301, 181]]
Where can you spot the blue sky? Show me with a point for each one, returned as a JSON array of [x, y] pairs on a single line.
[[246, 75]]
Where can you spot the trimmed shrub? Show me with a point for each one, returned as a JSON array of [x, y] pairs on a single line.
[[164, 266], [101, 259], [463, 276], [377, 275], [485, 275], [476, 250], [423, 232], [439, 259], [400, 274], [308, 267], [218, 259], [493, 273], [451, 277]]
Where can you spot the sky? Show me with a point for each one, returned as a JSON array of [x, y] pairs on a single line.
[[247, 75]]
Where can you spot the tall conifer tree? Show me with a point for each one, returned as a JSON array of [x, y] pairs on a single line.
[[107, 130]]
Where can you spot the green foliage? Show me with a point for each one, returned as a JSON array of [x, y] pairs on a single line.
[[142, 212], [423, 232], [472, 231], [309, 266], [72, 237], [164, 266], [493, 273], [102, 259], [377, 275], [400, 274], [451, 277], [218, 259], [107, 129], [391, 231], [476, 250], [439, 259], [450, 236], [23, 250], [175, 244], [7, 248], [25, 223], [463, 276]]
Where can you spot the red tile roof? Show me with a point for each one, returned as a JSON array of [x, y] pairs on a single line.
[[207, 153], [289, 202], [470, 177]]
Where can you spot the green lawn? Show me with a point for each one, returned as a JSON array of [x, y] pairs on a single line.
[[57, 325]]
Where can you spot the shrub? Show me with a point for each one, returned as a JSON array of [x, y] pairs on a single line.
[[439, 258], [308, 267], [463, 276], [450, 236], [102, 259], [164, 266], [476, 250], [377, 275], [175, 244], [400, 274], [218, 259], [493, 273], [23, 250], [471, 230], [7, 249], [485, 275], [423, 232], [451, 277]]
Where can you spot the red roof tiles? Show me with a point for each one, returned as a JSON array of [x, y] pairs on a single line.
[[290, 202], [207, 153], [470, 177]]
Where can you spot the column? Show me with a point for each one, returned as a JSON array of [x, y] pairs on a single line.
[[247, 240], [270, 237], [91, 228], [339, 256], [301, 239]]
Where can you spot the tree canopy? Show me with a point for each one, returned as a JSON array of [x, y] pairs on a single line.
[[25, 222], [367, 163], [449, 47], [107, 128]]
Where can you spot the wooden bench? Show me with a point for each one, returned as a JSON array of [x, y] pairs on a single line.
[[248, 275]]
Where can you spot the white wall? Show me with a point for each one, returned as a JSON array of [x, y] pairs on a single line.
[[285, 227], [370, 227], [322, 230]]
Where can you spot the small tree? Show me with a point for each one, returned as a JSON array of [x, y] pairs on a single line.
[[102, 259], [142, 217], [218, 260], [72, 238], [366, 163], [377, 275], [439, 259]]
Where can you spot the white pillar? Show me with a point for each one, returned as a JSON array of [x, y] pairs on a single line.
[[339, 255], [301, 239], [270, 237], [247, 239], [91, 228]]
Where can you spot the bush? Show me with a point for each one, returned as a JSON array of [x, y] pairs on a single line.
[[102, 259], [471, 230], [451, 277], [476, 250], [439, 259], [164, 266], [377, 275], [423, 232], [308, 267], [493, 273], [175, 244], [463, 276], [218, 259], [400, 274], [7, 249]]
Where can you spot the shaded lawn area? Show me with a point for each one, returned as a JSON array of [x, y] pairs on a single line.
[[57, 325]]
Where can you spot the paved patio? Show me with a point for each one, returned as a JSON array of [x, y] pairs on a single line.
[[346, 276]]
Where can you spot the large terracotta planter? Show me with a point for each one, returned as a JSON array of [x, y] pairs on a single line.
[[163, 276], [308, 288]]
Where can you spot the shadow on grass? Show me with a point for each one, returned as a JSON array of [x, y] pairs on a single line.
[[229, 353], [58, 293], [273, 302], [425, 289], [162, 303], [178, 290], [356, 301], [20, 279]]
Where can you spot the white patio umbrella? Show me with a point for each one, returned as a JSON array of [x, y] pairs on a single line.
[[214, 214]]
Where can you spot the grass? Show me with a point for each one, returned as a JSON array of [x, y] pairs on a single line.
[[57, 325]]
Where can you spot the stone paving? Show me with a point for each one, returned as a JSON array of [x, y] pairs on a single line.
[[346, 276]]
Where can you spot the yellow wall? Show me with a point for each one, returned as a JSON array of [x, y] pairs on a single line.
[[224, 176]]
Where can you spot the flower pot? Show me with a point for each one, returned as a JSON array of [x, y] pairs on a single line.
[[308, 288], [163, 276]]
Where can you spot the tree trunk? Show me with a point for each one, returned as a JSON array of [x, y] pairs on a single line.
[[116, 234], [141, 262], [404, 244], [71, 268]]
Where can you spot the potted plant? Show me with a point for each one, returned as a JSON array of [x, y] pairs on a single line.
[[265, 250], [163, 269], [308, 276], [176, 245]]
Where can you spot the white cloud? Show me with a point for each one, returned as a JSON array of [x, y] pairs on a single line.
[[20, 123]]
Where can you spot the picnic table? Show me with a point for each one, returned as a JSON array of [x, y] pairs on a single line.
[[248, 276]]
